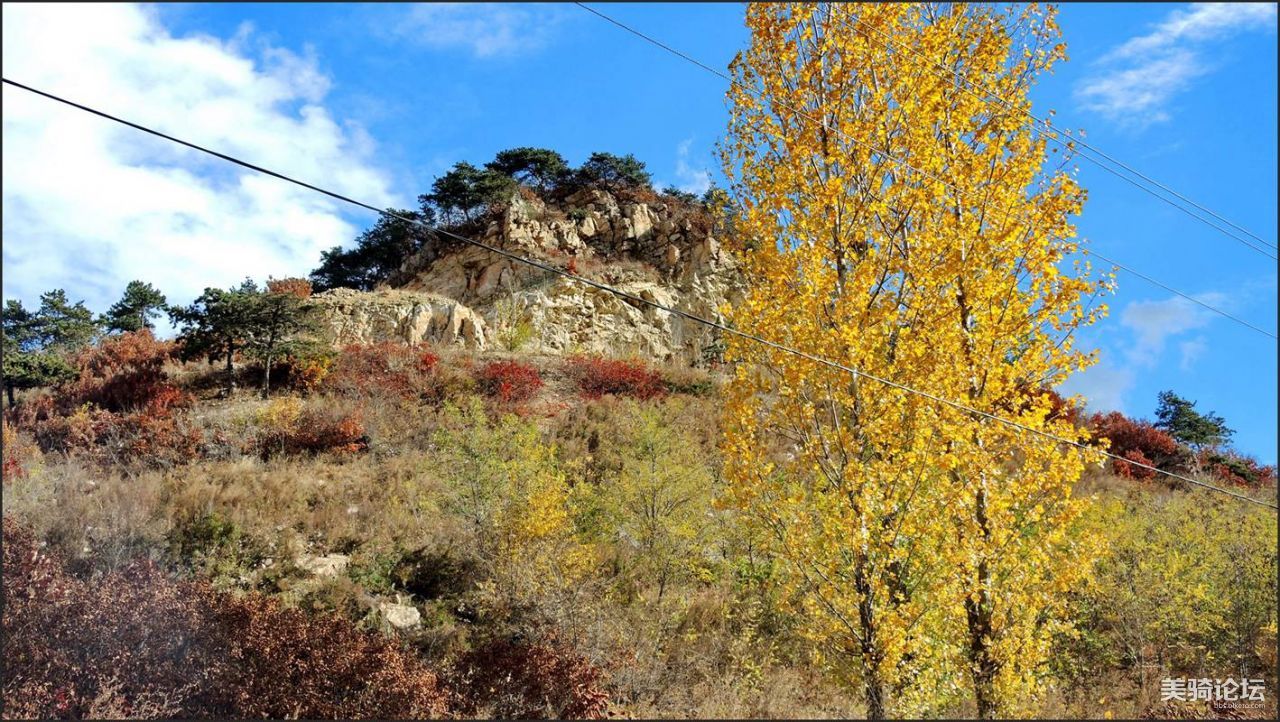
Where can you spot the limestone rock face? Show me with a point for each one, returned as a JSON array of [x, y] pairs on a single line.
[[356, 317], [661, 251]]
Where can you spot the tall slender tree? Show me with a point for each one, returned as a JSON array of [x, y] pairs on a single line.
[[925, 545]]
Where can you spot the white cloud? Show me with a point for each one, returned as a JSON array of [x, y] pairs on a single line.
[[689, 178], [485, 29], [1154, 322], [1151, 326], [1104, 387], [1143, 74], [1191, 351], [90, 205], [1203, 21]]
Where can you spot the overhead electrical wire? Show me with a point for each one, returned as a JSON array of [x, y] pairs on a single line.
[[628, 296], [988, 95], [895, 159]]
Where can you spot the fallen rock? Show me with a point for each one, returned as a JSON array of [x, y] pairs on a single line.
[[400, 616], [329, 565]]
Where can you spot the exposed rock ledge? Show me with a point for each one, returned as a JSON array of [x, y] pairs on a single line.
[[662, 252], [356, 317]]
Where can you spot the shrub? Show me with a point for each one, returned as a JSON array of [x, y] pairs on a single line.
[[304, 375], [122, 373], [688, 380], [289, 428], [146, 645], [511, 382], [154, 436], [1187, 587], [121, 408], [1235, 468], [1133, 471], [388, 369], [1128, 435], [299, 287], [542, 679], [596, 376]]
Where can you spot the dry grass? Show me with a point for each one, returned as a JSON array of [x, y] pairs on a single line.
[[717, 645]]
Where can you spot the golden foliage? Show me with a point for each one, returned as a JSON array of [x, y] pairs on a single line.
[[927, 548]]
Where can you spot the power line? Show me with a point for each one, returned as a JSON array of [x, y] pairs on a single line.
[[1171, 289], [990, 95], [627, 296], [895, 159]]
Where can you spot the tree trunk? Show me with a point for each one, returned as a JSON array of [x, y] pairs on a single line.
[[982, 660], [266, 378], [8, 389], [873, 689], [230, 387]]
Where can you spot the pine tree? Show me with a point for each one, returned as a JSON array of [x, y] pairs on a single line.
[[218, 325], [1179, 418], [141, 303]]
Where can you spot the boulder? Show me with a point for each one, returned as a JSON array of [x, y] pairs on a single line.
[[400, 616], [327, 566]]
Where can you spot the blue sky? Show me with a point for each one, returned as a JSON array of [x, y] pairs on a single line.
[[379, 99]]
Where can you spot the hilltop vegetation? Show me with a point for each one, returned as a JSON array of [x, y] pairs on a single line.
[[553, 523]]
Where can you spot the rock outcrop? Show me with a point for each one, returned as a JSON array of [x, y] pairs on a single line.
[[351, 317], [663, 252]]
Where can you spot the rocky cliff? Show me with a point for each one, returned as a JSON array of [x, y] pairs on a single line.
[[656, 248]]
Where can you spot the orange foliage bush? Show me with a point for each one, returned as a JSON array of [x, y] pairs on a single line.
[[509, 381], [596, 376], [386, 369], [137, 643], [299, 287], [122, 373], [1152, 445], [121, 408], [315, 431], [528, 680]]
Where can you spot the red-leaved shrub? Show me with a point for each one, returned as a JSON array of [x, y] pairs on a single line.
[[1128, 435], [596, 377], [509, 381], [136, 643], [1232, 467], [386, 369], [121, 408], [1132, 470], [543, 679], [121, 373]]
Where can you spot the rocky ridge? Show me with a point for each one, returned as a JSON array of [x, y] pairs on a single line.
[[659, 250]]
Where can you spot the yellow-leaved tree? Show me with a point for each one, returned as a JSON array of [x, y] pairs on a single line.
[[897, 223]]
